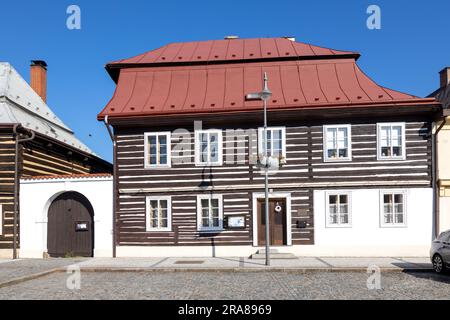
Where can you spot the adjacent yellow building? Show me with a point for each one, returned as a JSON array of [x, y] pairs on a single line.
[[443, 153]]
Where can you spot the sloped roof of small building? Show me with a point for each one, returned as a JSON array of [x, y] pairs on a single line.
[[215, 76], [19, 103]]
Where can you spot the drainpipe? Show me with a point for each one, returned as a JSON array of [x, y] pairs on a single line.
[[435, 157], [16, 181], [111, 135]]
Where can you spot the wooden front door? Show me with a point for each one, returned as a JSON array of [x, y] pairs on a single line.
[[277, 222], [70, 226]]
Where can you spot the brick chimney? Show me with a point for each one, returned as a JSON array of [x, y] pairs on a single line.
[[38, 78], [445, 77]]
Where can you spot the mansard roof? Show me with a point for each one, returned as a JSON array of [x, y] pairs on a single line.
[[215, 76]]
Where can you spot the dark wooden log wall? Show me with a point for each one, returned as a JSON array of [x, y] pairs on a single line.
[[304, 172], [7, 152]]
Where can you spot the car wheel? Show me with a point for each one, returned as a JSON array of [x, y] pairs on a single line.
[[438, 264]]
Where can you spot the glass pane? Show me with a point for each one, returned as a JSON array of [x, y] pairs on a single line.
[[162, 140], [215, 213], [205, 222], [205, 203], [163, 223], [398, 198], [154, 213], [333, 219], [162, 159], [343, 153], [215, 203], [399, 218], [215, 222], [343, 208], [388, 218], [387, 198], [332, 153], [152, 159], [333, 199], [396, 136], [344, 219], [333, 208], [386, 151], [214, 153], [154, 223], [397, 151], [269, 142], [152, 141], [205, 213], [343, 198], [277, 143], [213, 138], [342, 138], [384, 131]]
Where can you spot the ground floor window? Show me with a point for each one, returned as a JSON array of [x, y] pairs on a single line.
[[158, 214], [209, 212], [393, 208], [338, 209]]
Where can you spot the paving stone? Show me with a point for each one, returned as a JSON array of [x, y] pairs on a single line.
[[233, 285]]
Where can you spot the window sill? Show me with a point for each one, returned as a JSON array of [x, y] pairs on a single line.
[[208, 164], [337, 160], [211, 230], [387, 226], [338, 226], [157, 167], [391, 158]]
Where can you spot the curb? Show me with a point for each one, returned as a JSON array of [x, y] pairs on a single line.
[[249, 269], [29, 277]]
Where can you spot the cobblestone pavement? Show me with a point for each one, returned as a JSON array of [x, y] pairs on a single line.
[[233, 285], [13, 269]]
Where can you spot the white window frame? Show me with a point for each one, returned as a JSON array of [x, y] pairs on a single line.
[[405, 210], [219, 151], [147, 149], [199, 212], [147, 213], [392, 124], [283, 139], [328, 224], [349, 142]]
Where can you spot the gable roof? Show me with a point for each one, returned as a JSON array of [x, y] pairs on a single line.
[[306, 77], [19, 103]]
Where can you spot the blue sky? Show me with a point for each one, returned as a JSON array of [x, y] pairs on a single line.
[[406, 54]]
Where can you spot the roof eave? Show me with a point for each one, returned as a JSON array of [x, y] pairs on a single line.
[[413, 102]]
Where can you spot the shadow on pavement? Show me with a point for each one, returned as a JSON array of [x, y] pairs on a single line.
[[430, 275]]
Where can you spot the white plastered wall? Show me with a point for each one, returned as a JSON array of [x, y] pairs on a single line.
[[36, 197]]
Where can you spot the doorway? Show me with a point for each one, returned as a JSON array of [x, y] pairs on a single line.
[[70, 226]]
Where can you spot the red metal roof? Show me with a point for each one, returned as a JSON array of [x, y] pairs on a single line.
[[185, 89], [231, 50]]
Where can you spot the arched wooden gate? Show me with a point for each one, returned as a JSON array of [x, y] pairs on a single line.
[[70, 226]]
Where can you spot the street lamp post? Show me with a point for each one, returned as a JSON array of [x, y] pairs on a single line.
[[265, 95]]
